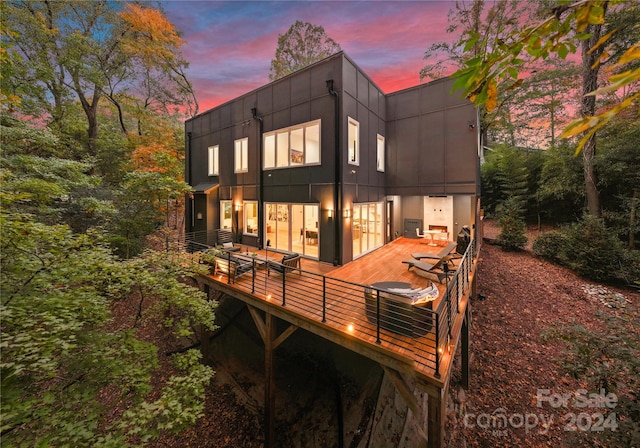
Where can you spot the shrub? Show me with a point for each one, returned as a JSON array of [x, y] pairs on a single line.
[[512, 235], [591, 250], [549, 246]]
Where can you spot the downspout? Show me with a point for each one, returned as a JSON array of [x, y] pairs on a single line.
[[254, 114], [188, 196], [337, 187]]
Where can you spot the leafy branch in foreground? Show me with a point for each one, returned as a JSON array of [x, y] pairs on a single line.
[[63, 363], [557, 35]]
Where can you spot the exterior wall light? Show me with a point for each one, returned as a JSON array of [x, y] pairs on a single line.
[[238, 206], [330, 213], [199, 215], [347, 213]]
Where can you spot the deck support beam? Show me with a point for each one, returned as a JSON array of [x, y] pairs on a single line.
[[464, 349], [436, 419], [267, 330], [406, 392]]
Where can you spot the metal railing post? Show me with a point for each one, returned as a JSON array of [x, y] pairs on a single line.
[[228, 267], [284, 286], [253, 276], [437, 374], [324, 299], [378, 316]]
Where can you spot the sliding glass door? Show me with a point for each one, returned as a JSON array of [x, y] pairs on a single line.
[[293, 228], [367, 228]]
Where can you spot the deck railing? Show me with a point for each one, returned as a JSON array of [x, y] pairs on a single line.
[[423, 332]]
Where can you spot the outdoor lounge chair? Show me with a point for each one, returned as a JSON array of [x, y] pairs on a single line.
[[428, 268], [225, 239], [288, 263], [446, 251]]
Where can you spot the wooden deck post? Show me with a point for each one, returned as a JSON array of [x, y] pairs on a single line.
[[269, 383], [436, 418], [464, 349]]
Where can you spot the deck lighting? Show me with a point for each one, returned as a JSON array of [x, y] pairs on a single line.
[[350, 328], [268, 296]]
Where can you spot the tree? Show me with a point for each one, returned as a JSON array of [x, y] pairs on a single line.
[[60, 349], [578, 24], [87, 51], [299, 47]]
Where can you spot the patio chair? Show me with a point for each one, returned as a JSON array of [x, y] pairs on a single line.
[[225, 239], [428, 268], [232, 267], [446, 251], [288, 263]]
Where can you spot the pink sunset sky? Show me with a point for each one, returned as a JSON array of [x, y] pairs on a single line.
[[230, 44]]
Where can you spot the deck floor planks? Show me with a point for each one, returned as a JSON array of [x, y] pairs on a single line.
[[345, 305]]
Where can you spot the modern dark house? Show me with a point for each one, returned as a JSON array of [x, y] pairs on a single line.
[[325, 164]]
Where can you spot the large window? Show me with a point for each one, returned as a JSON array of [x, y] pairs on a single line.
[[251, 218], [241, 153], [213, 160], [380, 153], [226, 220], [294, 146], [353, 142]]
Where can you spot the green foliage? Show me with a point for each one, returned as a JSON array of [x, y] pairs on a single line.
[[506, 176], [302, 45], [591, 250], [513, 227], [60, 351], [608, 360]]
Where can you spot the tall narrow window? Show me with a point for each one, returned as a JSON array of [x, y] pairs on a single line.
[[213, 160], [251, 218], [270, 151], [225, 215], [380, 153], [241, 155], [353, 142], [312, 144]]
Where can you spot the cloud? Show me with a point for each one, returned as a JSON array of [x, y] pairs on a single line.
[[230, 44]]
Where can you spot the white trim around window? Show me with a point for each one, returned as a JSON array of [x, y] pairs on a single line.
[[294, 146], [250, 217], [241, 155], [380, 153], [353, 142], [213, 160]]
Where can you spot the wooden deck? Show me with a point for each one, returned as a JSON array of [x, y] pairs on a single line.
[[329, 301]]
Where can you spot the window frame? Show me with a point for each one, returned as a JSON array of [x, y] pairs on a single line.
[[224, 202], [213, 162], [244, 155], [245, 217], [380, 153], [277, 163], [355, 159]]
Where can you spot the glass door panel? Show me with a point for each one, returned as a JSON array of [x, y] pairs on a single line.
[[297, 228], [357, 231], [282, 227], [312, 233], [272, 223]]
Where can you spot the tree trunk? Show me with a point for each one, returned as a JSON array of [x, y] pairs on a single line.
[[587, 109], [632, 218]]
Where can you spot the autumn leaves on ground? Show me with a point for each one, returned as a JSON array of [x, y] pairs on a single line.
[[513, 365]]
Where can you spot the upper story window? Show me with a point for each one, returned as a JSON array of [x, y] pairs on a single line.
[[241, 155], [213, 160], [294, 146], [353, 142], [380, 153]]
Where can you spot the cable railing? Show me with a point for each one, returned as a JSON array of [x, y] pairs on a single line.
[[374, 315]]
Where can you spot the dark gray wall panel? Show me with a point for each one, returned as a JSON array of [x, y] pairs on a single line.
[[300, 87], [264, 100], [281, 119], [301, 114], [432, 148], [408, 158], [349, 78], [461, 149], [225, 116], [363, 89], [281, 94]]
